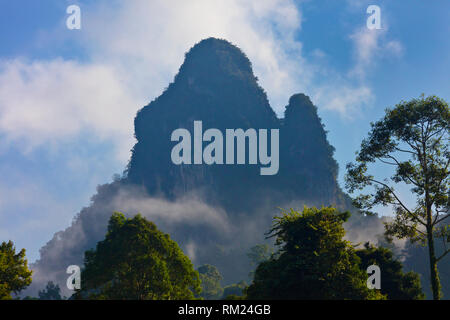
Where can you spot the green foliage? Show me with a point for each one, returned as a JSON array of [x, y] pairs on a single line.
[[137, 261], [235, 290], [210, 278], [416, 259], [395, 284], [314, 261], [258, 254], [51, 292], [413, 140], [14, 273], [234, 297]]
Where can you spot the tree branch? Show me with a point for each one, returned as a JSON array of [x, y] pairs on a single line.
[[443, 218], [399, 202], [386, 162], [443, 255], [401, 150], [407, 176]]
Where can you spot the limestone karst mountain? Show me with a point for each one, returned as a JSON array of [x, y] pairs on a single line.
[[215, 212], [216, 85]]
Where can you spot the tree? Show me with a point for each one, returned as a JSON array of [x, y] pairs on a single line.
[[313, 262], [137, 261], [14, 273], [417, 259], [412, 139], [395, 284], [51, 292], [234, 291], [210, 278], [258, 254]]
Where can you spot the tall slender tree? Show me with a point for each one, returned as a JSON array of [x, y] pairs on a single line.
[[412, 139]]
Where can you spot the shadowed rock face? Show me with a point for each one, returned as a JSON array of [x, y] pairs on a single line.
[[216, 213], [216, 85]]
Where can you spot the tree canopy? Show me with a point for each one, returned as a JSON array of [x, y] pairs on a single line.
[[14, 273], [137, 261], [313, 262], [235, 290], [395, 284], [51, 292], [258, 254], [210, 278]]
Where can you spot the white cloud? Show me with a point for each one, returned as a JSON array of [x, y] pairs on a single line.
[[50, 102], [371, 46], [346, 100], [36, 214], [358, 4], [188, 210], [394, 48]]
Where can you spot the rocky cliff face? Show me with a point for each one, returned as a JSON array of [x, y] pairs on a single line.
[[216, 85]]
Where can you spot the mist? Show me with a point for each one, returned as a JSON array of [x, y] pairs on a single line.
[[206, 233]]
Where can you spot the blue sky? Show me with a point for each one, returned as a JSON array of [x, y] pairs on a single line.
[[68, 97]]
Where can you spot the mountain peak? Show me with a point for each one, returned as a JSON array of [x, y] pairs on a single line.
[[300, 104], [218, 58], [300, 99]]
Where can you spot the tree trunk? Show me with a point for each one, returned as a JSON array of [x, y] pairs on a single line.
[[434, 275], [435, 283]]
